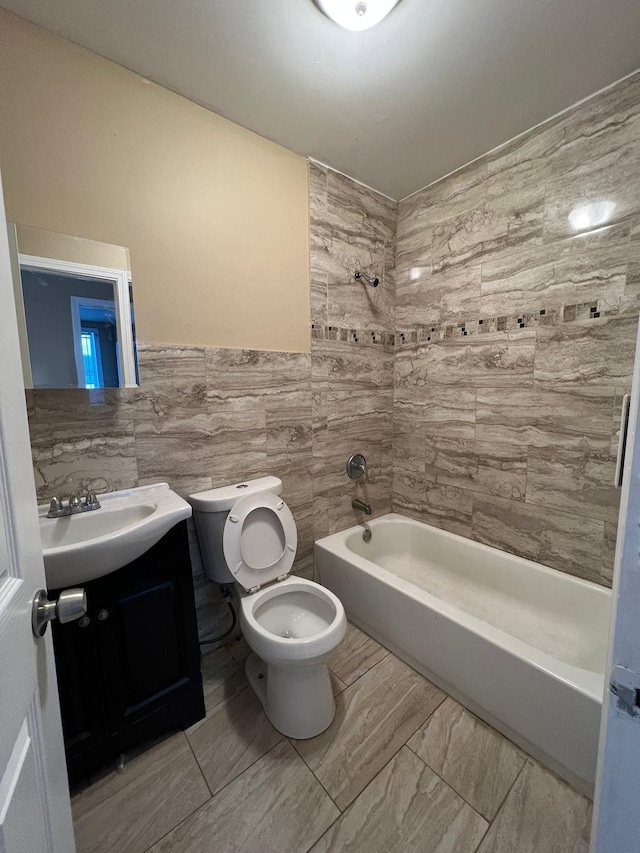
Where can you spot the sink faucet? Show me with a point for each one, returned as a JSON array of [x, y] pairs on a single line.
[[361, 506], [75, 505]]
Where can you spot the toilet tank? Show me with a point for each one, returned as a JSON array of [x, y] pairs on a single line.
[[210, 511]]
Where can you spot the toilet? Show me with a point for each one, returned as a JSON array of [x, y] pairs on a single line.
[[248, 536]]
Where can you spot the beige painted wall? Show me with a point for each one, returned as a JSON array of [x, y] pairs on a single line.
[[77, 250], [214, 216]]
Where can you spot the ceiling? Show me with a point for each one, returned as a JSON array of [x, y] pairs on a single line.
[[436, 84]]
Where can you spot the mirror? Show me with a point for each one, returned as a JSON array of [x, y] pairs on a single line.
[[74, 302]]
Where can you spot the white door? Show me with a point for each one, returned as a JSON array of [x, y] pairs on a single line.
[[35, 813], [616, 825]]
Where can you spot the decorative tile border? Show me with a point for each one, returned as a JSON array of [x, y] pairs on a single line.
[[530, 320], [367, 337], [428, 333]]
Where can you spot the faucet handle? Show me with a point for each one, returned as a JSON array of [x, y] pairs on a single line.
[[357, 467], [55, 505], [92, 500]]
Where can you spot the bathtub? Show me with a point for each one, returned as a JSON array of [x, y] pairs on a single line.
[[521, 645]]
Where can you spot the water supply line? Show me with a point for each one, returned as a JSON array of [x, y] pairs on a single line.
[[228, 595]]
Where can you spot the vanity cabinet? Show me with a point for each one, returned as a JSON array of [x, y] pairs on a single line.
[[131, 668]]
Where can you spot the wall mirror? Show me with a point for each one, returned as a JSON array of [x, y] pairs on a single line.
[[74, 302]]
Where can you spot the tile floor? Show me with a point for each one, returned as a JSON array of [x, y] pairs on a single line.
[[402, 769]]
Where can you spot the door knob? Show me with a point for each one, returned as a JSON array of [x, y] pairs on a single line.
[[71, 605]]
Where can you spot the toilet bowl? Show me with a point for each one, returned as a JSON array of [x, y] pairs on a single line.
[[247, 535], [293, 629]]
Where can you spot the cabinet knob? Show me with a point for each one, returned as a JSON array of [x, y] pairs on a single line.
[[102, 615], [84, 622]]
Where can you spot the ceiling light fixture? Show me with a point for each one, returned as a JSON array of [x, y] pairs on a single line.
[[591, 215], [357, 14]]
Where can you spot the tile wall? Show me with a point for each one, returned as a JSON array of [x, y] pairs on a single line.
[[515, 339], [351, 228]]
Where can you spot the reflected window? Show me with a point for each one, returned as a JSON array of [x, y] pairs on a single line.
[[91, 360]]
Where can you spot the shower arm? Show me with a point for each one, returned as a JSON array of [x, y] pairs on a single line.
[[374, 282]]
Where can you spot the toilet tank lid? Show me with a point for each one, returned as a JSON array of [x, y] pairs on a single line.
[[223, 498]]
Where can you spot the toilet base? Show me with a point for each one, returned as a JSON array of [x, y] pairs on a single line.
[[298, 700]]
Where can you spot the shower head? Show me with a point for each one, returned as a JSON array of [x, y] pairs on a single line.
[[374, 282]]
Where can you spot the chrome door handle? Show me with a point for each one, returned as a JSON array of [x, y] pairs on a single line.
[[71, 605], [622, 440]]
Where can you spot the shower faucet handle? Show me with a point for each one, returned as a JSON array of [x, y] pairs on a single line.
[[357, 467]]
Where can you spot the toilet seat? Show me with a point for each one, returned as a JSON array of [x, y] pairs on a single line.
[[259, 540]]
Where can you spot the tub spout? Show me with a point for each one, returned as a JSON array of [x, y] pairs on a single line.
[[361, 506]]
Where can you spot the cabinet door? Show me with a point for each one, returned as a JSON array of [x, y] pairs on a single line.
[[82, 697], [147, 638]]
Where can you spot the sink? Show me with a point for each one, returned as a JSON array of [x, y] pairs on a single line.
[[80, 548]]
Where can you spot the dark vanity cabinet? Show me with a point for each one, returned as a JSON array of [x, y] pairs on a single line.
[[130, 669]]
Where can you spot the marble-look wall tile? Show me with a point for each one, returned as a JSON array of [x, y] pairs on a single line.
[[75, 405], [562, 540], [172, 381], [240, 380], [573, 481], [409, 493], [544, 418], [175, 446], [448, 507], [499, 358], [352, 412], [527, 428], [352, 228], [609, 551], [599, 157], [585, 268], [74, 458], [440, 411], [448, 297], [509, 218], [478, 466], [343, 367], [319, 297], [591, 356]]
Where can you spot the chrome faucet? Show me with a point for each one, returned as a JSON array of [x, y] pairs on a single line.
[[75, 505], [361, 506]]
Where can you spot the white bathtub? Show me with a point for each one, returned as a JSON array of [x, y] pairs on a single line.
[[521, 645]]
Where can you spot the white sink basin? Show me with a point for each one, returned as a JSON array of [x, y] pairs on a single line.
[[79, 548]]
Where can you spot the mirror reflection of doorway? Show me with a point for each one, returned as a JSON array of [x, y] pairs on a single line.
[[79, 324], [95, 341]]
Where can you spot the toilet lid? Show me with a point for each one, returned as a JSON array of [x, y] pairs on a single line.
[[259, 540]]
